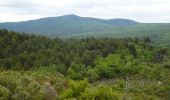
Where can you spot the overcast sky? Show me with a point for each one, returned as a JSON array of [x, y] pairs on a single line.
[[139, 10]]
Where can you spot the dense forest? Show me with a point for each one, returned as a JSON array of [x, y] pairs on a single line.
[[36, 67]]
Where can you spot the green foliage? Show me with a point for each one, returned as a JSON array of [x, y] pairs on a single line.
[[76, 72], [111, 66], [30, 51], [132, 50], [92, 74], [36, 67], [75, 89], [18, 86], [4, 93], [100, 93]]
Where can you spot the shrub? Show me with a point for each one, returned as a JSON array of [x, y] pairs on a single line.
[[75, 89], [100, 93], [4, 93], [92, 75]]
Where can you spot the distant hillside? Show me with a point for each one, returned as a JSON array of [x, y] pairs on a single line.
[[76, 26], [66, 25]]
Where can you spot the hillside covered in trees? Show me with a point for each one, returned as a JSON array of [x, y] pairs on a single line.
[[68, 26], [36, 67]]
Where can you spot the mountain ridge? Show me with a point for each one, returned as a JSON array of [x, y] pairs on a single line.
[[73, 16], [67, 24]]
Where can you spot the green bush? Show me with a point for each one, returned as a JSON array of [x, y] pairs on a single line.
[[75, 89], [4, 93], [92, 75], [100, 93]]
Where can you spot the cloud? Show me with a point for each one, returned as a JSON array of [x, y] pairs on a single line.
[[140, 10]]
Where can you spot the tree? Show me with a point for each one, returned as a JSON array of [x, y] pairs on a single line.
[[147, 40], [87, 58], [132, 50]]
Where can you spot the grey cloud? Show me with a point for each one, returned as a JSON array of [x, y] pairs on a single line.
[[17, 3], [140, 10]]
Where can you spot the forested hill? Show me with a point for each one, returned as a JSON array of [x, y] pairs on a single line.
[[38, 68], [66, 25], [75, 26]]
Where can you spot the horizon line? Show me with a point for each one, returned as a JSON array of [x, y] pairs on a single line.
[[81, 17]]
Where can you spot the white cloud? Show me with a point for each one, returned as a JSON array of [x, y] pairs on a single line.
[[140, 10]]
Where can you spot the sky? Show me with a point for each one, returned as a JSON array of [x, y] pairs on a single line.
[[148, 11]]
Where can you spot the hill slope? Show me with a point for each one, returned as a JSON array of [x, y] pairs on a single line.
[[76, 26], [66, 25]]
